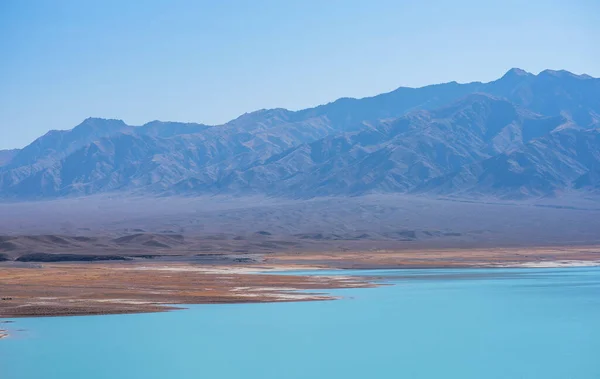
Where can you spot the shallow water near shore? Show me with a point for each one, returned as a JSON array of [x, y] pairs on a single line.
[[474, 323]]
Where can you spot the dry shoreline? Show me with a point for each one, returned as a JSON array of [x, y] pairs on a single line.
[[538, 256], [91, 289], [67, 289]]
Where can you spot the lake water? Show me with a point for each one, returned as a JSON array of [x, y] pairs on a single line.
[[463, 324]]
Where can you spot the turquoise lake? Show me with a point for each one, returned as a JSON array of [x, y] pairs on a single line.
[[463, 324]]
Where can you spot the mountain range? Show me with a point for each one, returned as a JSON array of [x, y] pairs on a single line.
[[520, 136]]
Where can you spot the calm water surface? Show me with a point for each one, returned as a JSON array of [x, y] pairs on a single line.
[[463, 324]]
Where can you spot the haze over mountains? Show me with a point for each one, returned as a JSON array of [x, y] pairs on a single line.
[[520, 136]]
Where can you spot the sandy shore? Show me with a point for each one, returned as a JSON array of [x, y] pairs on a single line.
[[540, 256], [86, 289]]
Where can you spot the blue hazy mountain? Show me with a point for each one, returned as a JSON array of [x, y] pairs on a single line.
[[7, 155], [521, 135]]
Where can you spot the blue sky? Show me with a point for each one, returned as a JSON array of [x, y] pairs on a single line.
[[210, 61]]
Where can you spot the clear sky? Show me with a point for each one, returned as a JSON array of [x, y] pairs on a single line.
[[210, 61]]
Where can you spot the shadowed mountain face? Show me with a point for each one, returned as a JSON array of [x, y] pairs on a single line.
[[519, 136]]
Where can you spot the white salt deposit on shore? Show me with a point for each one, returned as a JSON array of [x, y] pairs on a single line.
[[552, 264], [219, 269]]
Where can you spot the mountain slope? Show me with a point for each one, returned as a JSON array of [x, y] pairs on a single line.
[[59, 143], [563, 160], [400, 154], [521, 135], [552, 93], [7, 155]]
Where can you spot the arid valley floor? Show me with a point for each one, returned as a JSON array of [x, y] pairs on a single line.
[[99, 256]]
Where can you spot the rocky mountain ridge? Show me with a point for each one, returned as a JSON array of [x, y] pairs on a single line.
[[523, 135]]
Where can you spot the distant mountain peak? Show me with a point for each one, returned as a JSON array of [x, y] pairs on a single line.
[[102, 120], [168, 123], [159, 128], [101, 123], [263, 114], [512, 79], [516, 72], [563, 74], [270, 112], [557, 73]]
